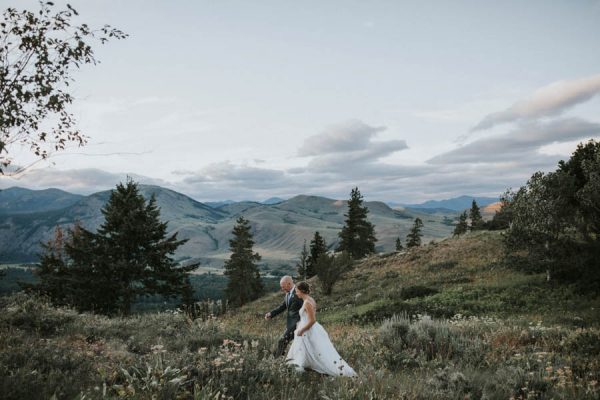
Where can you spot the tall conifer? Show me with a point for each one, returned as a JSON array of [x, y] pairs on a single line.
[[413, 239], [461, 227], [129, 256], [475, 216], [244, 283], [302, 265], [318, 247], [358, 235]]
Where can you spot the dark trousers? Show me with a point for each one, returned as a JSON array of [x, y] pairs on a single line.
[[283, 342]]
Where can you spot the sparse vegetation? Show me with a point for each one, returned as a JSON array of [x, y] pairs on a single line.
[[499, 333]]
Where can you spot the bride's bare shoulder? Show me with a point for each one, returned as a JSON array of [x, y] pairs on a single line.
[[312, 302]]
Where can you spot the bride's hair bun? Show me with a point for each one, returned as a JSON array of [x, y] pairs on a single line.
[[304, 287]]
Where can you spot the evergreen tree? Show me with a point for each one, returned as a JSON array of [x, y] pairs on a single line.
[[358, 235], [475, 216], [413, 239], [302, 265], [399, 246], [462, 226], [136, 248], [244, 278], [52, 269], [129, 256], [318, 247]]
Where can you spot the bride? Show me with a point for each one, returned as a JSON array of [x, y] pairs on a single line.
[[312, 348]]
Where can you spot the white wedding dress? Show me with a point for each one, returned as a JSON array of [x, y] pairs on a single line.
[[314, 350]]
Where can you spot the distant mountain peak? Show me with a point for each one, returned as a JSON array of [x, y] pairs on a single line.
[[273, 200], [456, 203]]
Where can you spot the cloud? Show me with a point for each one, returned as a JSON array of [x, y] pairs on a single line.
[[522, 142], [348, 149], [227, 173], [352, 135], [549, 100]]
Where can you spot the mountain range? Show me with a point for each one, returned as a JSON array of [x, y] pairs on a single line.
[[280, 227], [455, 204]]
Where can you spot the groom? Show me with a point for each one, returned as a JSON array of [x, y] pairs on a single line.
[[292, 304]]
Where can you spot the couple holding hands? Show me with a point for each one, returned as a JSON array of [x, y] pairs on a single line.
[[311, 347]]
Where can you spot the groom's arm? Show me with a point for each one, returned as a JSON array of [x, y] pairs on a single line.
[[278, 310]]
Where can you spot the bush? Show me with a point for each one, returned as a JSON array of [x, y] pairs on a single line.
[[411, 292], [428, 339], [584, 342], [443, 265], [36, 314], [40, 370]]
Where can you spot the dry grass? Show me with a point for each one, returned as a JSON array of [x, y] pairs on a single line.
[[511, 339]]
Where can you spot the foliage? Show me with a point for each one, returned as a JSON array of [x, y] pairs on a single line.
[[330, 269], [318, 247], [426, 338], [129, 257], [555, 218], [302, 264], [461, 227], [244, 283], [38, 53], [503, 217], [522, 339], [475, 217], [399, 246], [358, 235], [413, 239]]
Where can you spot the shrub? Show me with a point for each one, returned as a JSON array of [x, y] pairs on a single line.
[[443, 265], [583, 342], [428, 339], [411, 292], [42, 369], [36, 314]]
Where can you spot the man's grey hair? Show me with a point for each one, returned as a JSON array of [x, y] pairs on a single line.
[[286, 278]]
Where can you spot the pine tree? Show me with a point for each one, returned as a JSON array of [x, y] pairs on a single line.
[[399, 246], [129, 256], [244, 278], [475, 216], [461, 227], [136, 248], [413, 239], [358, 235], [52, 269], [318, 247], [302, 265]]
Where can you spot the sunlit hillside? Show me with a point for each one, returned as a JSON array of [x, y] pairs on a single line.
[[464, 325]]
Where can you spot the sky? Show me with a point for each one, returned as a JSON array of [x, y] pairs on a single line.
[[408, 101]]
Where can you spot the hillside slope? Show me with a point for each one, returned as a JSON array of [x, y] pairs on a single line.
[[499, 334]]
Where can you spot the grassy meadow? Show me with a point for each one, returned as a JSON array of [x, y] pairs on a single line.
[[448, 320]]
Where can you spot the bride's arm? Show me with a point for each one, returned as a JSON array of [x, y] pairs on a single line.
[[310, 312]]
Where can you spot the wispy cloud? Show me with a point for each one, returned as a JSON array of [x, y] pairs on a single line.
[[521, 142], [550, 100], [353, 135]]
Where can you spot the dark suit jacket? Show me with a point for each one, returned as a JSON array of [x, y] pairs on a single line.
[[293, 311]]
